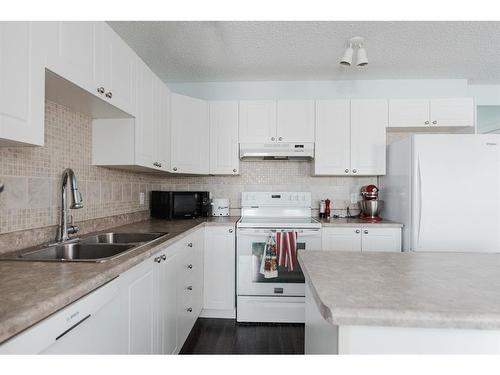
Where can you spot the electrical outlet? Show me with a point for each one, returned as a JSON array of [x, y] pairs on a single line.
[[354, 198], [141, 198]]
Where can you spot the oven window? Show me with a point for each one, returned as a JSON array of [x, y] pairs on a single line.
[[185, 204], [283, 275]]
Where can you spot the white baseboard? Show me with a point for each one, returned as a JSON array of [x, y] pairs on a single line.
[[216, 313]]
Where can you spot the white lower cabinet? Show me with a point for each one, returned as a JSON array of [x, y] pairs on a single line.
[[190, 288], [368, 238], [91, 325], [139, 308], [219, 273]]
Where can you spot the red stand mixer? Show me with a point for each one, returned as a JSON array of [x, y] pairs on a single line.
[[370, 205]]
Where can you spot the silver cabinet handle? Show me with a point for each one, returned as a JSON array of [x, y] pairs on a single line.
[[159, 165], [190, 266], [365, 231], [157, 259], [174, 168], [101, 90], [109, 95], [189, 288], [273, 139], [189, 309], [190, 244], [163, 257], [434, 122], [230, 231], [426, 123], [235, 170], [346, 171], [357, 231], [354, 171], [280, 138]]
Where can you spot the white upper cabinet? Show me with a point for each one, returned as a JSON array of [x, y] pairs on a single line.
[[190, 134], [368, 136], [257, 121], [116, 69], [332, 147], [72, 49], [224, 137], [452, 112], [409, 113], [161, 117], [146, 129], [350, 137], [295, 121], [431, 113], [22, 84]]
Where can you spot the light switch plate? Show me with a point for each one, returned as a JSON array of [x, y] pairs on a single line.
[[141, 198]]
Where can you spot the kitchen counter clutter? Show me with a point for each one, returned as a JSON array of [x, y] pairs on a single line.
[[401, 302], [31, 291]]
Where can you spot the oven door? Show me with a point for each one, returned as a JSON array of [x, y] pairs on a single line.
[[251, 249]]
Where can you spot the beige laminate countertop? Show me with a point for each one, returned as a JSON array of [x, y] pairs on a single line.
[[344, 222], [425, 290], [31, 291]]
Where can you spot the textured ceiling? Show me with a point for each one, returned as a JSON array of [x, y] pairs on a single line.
[[235, 51]]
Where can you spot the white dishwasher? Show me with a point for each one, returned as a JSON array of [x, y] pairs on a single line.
[[90, 325]]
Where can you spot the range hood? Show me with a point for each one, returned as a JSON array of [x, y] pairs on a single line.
[[277, 151]]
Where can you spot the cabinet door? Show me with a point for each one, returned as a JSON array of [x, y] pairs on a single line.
[[116, 69], [161, 114], [257, 121], [219, 270], [72, 52], [22, 84], [295, 121], [409, 113], [224, 137], [341, 239], [146, 129], [332, 146], [452, 112], [381, 239], [368, 136], [139, 308], [167, 290], [190, 135]]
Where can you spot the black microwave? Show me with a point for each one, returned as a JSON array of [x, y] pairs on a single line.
[[179, 204]]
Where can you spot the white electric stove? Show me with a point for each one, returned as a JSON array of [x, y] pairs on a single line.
[[279, 298]]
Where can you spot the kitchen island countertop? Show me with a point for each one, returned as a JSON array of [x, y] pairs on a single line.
[[423, 290]]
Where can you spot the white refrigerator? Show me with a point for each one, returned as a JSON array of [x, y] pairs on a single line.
[[445, 189]]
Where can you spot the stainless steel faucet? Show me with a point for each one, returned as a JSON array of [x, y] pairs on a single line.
[[64, 229]]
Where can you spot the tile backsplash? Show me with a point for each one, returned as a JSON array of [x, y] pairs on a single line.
[[31, 175]]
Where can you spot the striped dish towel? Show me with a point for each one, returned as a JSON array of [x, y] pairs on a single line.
[[286, 249]]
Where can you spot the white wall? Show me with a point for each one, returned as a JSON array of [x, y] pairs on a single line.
[[415, 88]]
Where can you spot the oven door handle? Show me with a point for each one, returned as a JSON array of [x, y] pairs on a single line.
[[302, 232]]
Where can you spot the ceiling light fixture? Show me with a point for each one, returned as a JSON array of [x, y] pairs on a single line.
[[355, 43]]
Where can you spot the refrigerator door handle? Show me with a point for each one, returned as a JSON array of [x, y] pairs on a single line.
[[419, 204]]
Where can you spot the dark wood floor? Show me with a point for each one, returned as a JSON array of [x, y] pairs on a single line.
[[225, 336]]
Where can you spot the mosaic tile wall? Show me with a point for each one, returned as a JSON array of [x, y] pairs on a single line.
[[31, 175]]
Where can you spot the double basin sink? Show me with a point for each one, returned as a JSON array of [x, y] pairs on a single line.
[[95, 248]]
